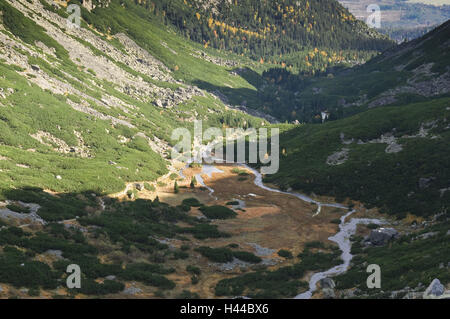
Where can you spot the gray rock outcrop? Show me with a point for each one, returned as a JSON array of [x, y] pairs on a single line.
[[327, 283], [435, 289], [382, 236], [328, 293]]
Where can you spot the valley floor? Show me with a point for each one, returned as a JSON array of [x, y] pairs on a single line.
[[266, 223]]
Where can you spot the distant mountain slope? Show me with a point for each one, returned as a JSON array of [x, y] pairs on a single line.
[[262, 29], [402, 19], [430, 48], [410, 72]]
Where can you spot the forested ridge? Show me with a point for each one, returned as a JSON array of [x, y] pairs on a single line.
[[262, 29]]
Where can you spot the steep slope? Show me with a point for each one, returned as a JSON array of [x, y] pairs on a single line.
[[85, 114], [410, 72], [395, 158], [76, 102]]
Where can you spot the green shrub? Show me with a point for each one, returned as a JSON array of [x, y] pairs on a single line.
[[372, 226], [246, 256], [285, 254], [193, 182], [178, 254], [149, 274], [220, 255], [204, 231], [91, 287], [34, 292], [191, 202], [18, 208], [194, 280], [186, 294], [314, 244], [217, 212], [223, 255], [193, 270]]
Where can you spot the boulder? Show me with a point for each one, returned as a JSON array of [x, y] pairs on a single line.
[[425, 182], [132, 291], [158, 103], [412, 295], [382, 236], [428, 235], [435, 289], [327, 283], [328, 293]]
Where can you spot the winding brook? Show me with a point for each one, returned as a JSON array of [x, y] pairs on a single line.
[[342, 238]]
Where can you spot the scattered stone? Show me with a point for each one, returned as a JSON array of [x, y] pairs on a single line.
[[110, 277], [413, 295], [232, 264], [262, 251], [132, 291], [26, 217], [428, 235], [60, 145], [76, 227], [158, 103], [349, 293], [240, 204], [339, 157], [55, 252]]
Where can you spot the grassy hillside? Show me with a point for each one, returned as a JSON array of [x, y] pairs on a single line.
[[65, 117], [415, 259]]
